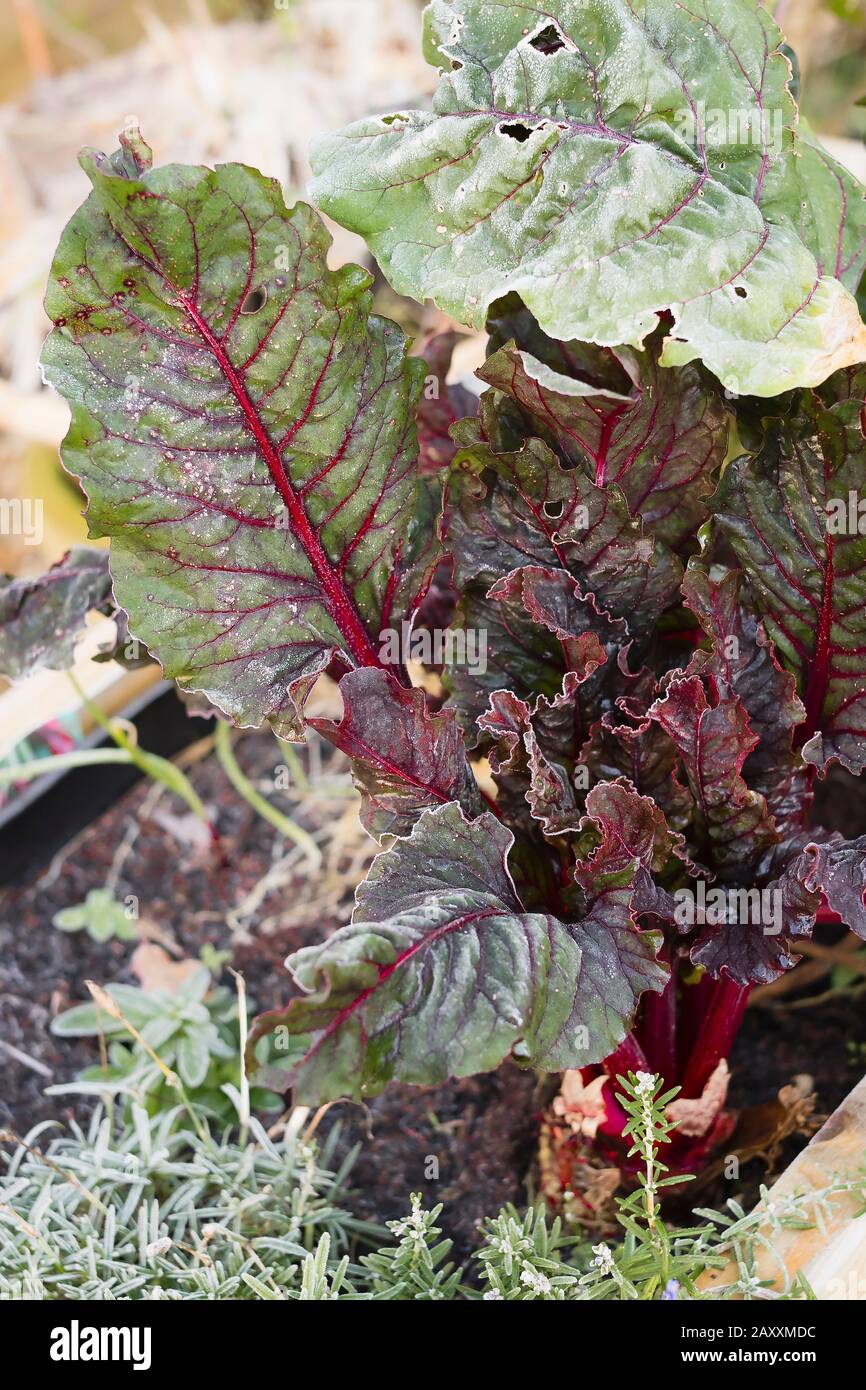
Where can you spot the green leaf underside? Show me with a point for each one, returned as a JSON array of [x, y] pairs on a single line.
[[781, 513], [590, 175], [442, 972], [243, 428], [41, 618]]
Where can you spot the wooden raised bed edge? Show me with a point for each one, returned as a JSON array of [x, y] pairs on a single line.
[[833, 1260]]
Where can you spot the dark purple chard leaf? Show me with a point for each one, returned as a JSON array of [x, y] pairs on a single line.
[[41, 618], [551, 795], [243, 428], [633, 827], [506, 721], [742, 663], [756, 945], [660, 440], [443, 973], [753, 944], [536, 629], [404, 759], [788, 516], [637, 822], [523, 507], [626, 742], [515, 753], [442, 404], [839, 867], [714, 743]]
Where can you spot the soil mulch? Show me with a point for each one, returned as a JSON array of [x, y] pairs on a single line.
[[467, 1143]]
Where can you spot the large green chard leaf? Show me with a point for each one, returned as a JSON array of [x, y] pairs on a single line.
[[607, 160], [41, 618], [443, 973], [243, 428], [788, 515], [404, 759], [658, 434]]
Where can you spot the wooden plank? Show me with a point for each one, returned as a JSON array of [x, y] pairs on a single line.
[[833, 1260]]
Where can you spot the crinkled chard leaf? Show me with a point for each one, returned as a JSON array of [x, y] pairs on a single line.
[[404, 759], [645, 160], [714, 742], [742, 663], [756, 946], [515, 755], [41, 618], [539, 631], [659, 437], [442, 973], [509, 509], [625, 741], [788, 515], [243, 428]]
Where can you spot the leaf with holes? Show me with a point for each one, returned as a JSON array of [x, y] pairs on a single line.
[[242, 426], [443, 973], [658, 434], [508, 509], [607, 161]]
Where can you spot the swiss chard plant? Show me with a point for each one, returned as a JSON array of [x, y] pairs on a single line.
[[639, 566]]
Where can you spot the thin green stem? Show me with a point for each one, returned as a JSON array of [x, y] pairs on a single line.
[[244, 787], [151, 764], [294, 764], [61, 762]]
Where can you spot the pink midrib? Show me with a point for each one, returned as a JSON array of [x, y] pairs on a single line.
[[819, 676], [338, 600]]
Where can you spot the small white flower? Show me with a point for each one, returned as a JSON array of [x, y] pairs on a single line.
[[535, 1280], [603, 1257], [158, 1247], [492, 1296], [645, 1083]]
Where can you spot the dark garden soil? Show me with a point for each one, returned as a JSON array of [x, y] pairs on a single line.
[[469, 1144]]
